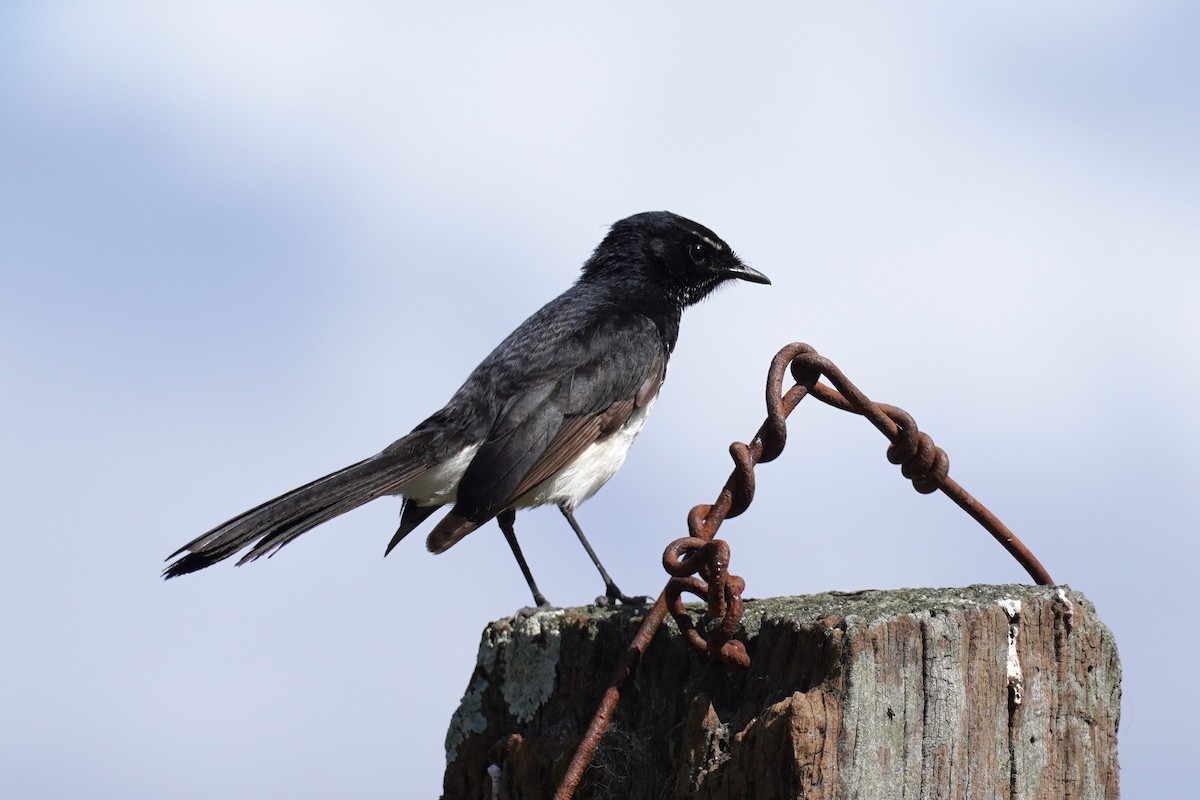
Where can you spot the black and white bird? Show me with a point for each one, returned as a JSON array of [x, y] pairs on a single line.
[[546, 418]]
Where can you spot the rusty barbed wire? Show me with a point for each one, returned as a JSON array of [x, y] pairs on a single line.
[[920, 460]]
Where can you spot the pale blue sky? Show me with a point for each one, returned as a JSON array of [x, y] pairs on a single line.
[[243, 244]]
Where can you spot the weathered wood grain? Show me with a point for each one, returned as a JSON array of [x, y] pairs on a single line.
[[981, 692]]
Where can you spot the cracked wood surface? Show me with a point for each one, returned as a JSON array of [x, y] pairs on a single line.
[[979, 692]]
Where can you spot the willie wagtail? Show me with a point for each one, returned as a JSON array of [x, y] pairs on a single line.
[[546, 418]]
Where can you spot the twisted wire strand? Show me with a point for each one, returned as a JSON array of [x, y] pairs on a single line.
[[920, 461], [683, 560]]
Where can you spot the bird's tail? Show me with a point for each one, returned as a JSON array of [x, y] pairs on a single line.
[[273, 524]]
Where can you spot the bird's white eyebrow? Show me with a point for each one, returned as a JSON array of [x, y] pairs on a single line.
[[711, 243]]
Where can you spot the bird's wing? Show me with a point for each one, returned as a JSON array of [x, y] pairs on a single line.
[[580, 430], [605, 374]]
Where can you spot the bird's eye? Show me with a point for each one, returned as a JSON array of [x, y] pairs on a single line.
[[699, 253]]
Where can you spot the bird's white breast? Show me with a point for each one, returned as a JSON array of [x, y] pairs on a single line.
[[584, 476]]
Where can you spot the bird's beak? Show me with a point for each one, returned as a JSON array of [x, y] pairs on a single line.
[[744, 273]]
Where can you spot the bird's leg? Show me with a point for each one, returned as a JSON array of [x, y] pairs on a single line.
[[611, 592], [506, 519]]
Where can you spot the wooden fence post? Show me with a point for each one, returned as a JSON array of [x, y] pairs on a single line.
[[980, 692]]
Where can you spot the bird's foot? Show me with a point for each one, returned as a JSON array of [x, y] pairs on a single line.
[[542, 605], [612, 595]]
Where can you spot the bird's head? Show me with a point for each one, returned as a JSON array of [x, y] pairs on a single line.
[[660, 252]]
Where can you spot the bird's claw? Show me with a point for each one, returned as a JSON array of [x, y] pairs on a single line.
[[525, 612], [613, 595]]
